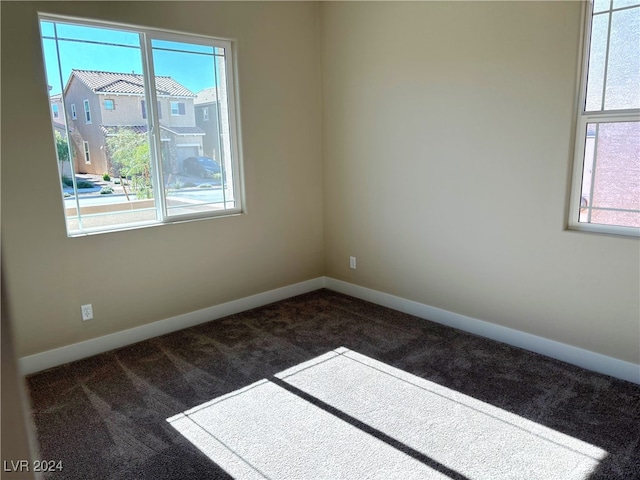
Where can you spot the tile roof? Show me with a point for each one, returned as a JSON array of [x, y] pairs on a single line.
[[208, 95], [61, 126], [128, 83], [111, 130]]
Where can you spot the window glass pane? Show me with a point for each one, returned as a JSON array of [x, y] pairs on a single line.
[[93, 65], [611, 174], [597, 58], [601, 5], [623, 74], [180, 46], [625, 3], [86, 34], [46, 29], [197, 163]]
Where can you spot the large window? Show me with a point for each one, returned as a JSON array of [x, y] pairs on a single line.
[[123, 169], [606, 183]]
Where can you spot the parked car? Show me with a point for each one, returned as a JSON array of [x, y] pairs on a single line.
[[202, 167]]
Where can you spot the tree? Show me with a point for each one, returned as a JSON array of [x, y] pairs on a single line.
[[62, 149], [130, 155]]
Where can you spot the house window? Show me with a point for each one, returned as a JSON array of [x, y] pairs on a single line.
[[606, 182], [109, 105], [150, 158], [74, 115], [205, 114], [87, 155], [143, 106], [87, 112], [177, 108], [56, 111]]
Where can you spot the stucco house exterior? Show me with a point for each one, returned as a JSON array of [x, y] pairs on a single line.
[[206, 106], [57, 113], [98, 103]]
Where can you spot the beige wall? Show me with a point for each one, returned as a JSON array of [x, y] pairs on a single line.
[[186, 120], [447, 154], [137, 277], [128, 110], [16, 426], [444, 131]]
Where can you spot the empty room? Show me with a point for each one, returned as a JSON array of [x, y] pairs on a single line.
[[320, 240]]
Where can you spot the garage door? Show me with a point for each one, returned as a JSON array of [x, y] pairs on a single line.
[[183, 152]]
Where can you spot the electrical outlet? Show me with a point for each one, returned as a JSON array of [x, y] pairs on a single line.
[[87, 312], [352, 263]]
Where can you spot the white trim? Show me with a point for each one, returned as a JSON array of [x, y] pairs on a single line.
[[550, 348], [77, 351], [74, 114]]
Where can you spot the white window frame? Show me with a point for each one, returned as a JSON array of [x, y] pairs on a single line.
[[155, 137], [113, 104], [205, 114], [56, 110], [87, 111], [585, 117], [74, 114], [87, 152]]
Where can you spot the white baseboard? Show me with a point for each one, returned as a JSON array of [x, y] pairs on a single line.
[[567, 353], [77, 351], [560, 351]]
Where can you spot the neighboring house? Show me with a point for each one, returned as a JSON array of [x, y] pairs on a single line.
[[57, 120], [97, 103], [57, 114], [206, 108]]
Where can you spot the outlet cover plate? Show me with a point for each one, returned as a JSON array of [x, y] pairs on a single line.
[[87, 312]]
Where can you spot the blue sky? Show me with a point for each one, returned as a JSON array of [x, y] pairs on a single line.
[[189, 67]]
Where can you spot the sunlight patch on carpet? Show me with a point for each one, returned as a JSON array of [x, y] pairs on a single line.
[[371, 420]]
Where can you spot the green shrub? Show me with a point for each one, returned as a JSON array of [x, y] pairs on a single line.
[[106, 191], [116, 181], [205, 185], [189, 185], [106, 177], [79, 183], [66, 195]]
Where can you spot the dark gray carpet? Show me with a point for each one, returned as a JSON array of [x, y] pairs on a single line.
[[106, 416]]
